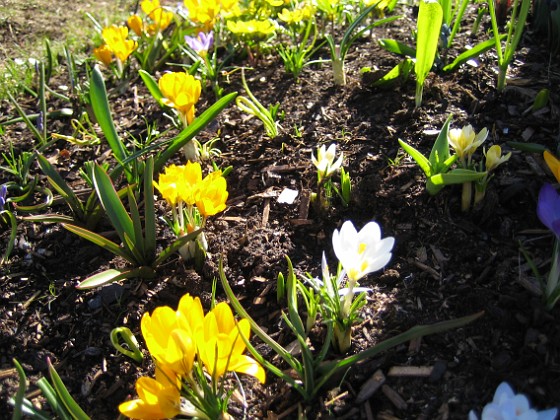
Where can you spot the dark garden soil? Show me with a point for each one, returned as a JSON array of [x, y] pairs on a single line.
[[445, 264]]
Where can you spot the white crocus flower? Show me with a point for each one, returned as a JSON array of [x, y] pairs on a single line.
[[508, 405], [360, 253], [465, 141], [494, 157], [325, 161]]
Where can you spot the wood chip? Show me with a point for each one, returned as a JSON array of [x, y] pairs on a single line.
[[371, 386], [394, 397], [412, 371]]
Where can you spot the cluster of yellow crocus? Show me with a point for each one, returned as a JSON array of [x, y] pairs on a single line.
[[177, 341], [183, 187], [159, 16], [116, 43], [181, 91], [298, 15], [205, 13], [253, 27]]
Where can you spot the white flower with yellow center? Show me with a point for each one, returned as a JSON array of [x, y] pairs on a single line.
[[465, 141], [325, 161], [362, 252]]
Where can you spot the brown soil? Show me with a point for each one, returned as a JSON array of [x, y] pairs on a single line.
[[445, 264]]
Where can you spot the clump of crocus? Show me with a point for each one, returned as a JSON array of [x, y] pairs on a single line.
[[204, 13], [116, 44], [192, 199], [359, 254], [193, 353], [158, 19], [327, 165], [509, 405], [465, 142]]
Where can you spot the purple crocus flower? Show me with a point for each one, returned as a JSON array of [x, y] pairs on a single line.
[[200, 43], [3, 193], [548, 208]]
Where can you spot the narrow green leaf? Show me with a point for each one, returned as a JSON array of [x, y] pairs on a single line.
[[60, 185], [75, 410], [457, 176], [98, 240], [149, 209], [255, 328], [527, 147], [111, 275], [396, 75], [397, 47], [136, 223], [418, 331], [112, 204], [418, 157], [192, 130], [52, 399], [152, 86], [22, 386], [175, 246], [470, 54], [430, 17], [440, 150], [100, 104]]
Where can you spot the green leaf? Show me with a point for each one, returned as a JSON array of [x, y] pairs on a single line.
[[470, 54], [149, 209], [418, 157], [99, 240], [111, 275], [152, 86], [188, 133], [22, 386], [60, 185], [397, 47], [100, 105], [175, 246], [75, 410], [457, 176], [53, 399], [430, 17], [396, 75], [440, 151], [527, 147], [112, 204], [328, 369]]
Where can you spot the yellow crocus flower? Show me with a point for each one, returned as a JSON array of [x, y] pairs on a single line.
[[135, 23], [221, 348], [181, 91], [212, 195], [170, 345], [161, 17], [191, 177], [553, 163], [103, 54], [116, 39], [158, 399], [168, 184], [203, 12]]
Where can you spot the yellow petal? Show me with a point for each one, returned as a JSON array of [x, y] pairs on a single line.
[[553, 163]]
